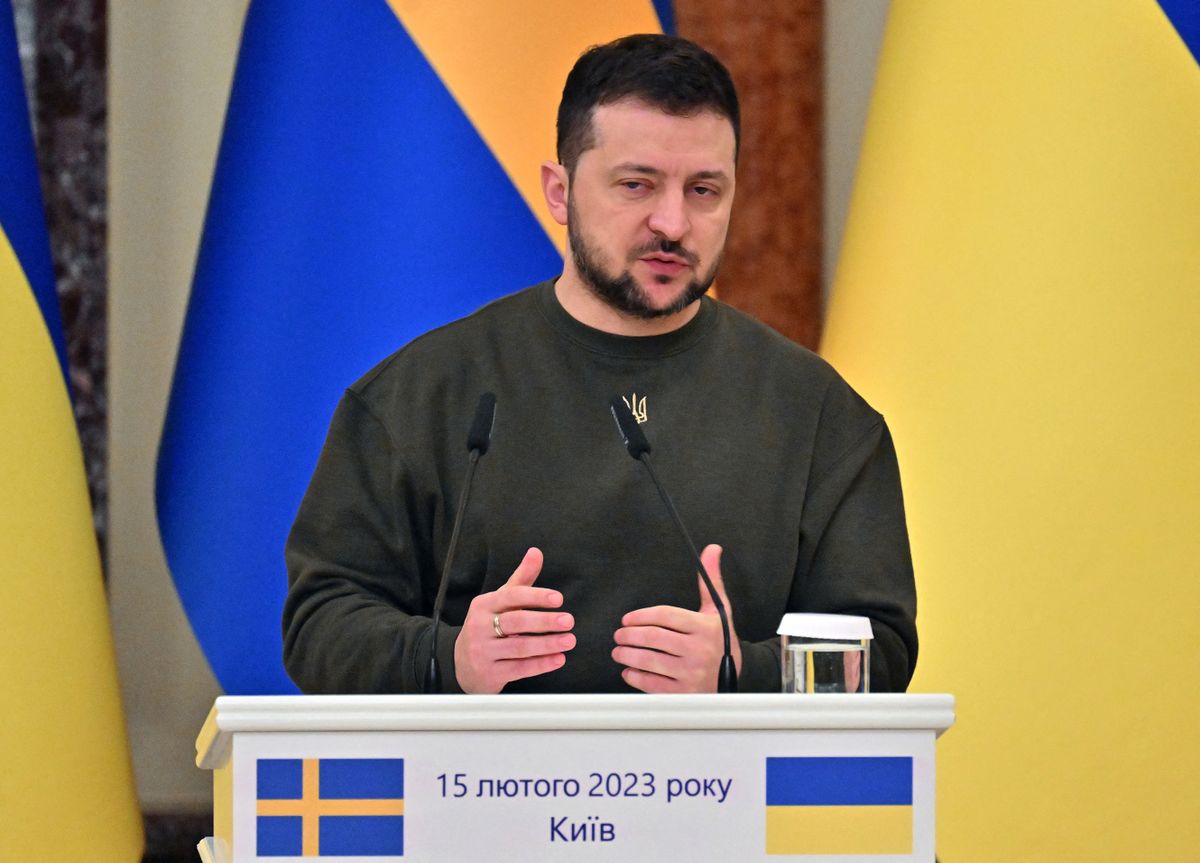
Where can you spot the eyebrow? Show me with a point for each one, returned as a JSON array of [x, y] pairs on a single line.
[[635, 168]]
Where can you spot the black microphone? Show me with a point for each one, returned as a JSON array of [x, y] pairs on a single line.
[[639, 449], [479, 438]]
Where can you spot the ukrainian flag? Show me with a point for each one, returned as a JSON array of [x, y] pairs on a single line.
[[377, 177], [330, 807], [1019, 292], [66, 782], [839, 805]]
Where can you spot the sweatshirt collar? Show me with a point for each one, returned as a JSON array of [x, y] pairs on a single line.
[[629, 347]]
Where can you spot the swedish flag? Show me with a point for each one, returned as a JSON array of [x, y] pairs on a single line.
[[330, 807]]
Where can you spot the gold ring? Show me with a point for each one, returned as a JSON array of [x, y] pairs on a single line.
[[496, 626]]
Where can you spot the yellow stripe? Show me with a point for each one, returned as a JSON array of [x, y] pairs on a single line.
[[506, 61], [318, 808], [311, 825], [1018, 295], [839, 830], [66, 775]]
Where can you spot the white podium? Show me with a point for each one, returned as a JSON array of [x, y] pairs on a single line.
[[388, 779]]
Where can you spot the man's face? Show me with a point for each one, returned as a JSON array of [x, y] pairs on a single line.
[[648, 207]]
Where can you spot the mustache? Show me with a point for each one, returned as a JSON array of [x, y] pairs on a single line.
[[666, 247]]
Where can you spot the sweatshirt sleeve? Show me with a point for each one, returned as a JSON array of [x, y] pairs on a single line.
[[854, 551], [356, 619], [852, 554]]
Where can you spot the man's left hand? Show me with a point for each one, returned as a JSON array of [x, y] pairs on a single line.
[[669, 649]]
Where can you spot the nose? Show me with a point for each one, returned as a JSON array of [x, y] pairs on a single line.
[[669, 218]]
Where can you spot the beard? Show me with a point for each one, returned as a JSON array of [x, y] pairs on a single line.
[[622, 292]]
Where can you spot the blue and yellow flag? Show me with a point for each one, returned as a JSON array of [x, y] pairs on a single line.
[[1019, 292], [831, 805], [377, 177], [66, 782], [330, 807]]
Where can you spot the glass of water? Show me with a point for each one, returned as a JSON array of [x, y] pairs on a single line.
[[825, 653]]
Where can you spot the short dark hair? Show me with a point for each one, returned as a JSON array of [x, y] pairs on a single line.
[[666, 72]]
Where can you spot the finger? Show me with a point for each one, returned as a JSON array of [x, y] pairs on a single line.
[[648, 682], [711, 558], [516, 669], [653, 638], [648, 660], [509, 598], [528, 569], [530, 622], [666, 616], [528, 646]]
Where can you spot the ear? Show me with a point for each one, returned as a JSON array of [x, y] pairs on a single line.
[[556, 187]]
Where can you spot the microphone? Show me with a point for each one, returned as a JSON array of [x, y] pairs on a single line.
[[479, 438], [639, 449]]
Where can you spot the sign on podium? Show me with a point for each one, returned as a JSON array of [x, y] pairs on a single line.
[[374, 779]]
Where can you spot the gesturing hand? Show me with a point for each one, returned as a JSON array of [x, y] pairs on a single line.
[[669, 649], [533, 642]]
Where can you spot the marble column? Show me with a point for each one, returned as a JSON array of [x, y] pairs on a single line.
[[774, 50], [63, 52]]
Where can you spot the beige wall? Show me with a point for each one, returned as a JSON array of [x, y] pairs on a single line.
[[170, 67]]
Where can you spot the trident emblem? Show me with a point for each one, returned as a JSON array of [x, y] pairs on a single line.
[[636, 407]]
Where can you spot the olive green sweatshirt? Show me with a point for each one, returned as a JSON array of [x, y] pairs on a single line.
[[765, 449]]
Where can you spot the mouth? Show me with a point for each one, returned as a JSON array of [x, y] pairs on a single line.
[[665, 264]]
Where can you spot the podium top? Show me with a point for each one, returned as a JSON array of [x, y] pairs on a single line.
[[291, 713]]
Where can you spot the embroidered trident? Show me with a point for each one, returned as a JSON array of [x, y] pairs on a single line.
[[637, 408]]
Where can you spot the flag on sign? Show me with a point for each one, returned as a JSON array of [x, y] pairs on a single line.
[[839, 805], [330, 807]]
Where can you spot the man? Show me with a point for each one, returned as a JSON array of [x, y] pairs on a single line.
[[569, 575]]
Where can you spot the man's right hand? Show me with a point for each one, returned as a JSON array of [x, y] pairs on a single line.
[[534, 642]]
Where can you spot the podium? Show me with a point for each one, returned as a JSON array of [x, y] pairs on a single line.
[[397, 778]]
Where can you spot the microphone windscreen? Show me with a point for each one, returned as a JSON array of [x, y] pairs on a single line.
[[631, 432], [480, 435]]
